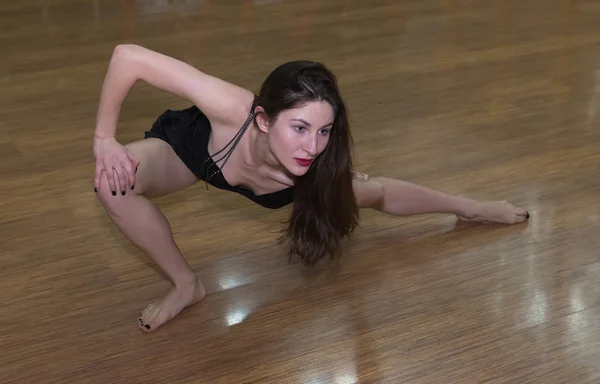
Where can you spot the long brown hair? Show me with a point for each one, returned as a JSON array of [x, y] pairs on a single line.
[[325, 209]]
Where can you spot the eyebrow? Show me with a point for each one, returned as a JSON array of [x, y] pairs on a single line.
[[307, 123]]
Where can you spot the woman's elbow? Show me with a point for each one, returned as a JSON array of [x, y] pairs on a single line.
[[123, 52], [370, 193]]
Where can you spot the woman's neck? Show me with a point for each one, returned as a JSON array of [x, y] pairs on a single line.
[[259, 157]]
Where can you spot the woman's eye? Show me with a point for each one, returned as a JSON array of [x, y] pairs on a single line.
[[299, 128], [324, 132]]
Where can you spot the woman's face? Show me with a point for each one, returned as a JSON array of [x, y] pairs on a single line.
[[301, 134]]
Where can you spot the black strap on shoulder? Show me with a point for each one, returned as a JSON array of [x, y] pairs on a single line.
[[233, 143]]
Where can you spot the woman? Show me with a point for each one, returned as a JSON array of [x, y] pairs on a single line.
[[294, 146]]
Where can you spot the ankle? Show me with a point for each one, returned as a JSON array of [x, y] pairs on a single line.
[[187, 282]]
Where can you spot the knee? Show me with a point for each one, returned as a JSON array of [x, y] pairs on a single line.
[[113, 201]]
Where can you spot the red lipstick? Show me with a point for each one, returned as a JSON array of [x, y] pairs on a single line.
[[303, 162]]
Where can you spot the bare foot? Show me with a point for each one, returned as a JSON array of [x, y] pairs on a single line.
[[498, 212], [160, 312]]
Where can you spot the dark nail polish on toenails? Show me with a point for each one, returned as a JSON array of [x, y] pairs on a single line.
[[95, 189], [147, 326], [527, 215]]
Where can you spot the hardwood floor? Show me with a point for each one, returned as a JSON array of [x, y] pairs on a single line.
[[492, 100]]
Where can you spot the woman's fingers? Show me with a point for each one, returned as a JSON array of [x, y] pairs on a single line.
[[134, 165], [133, 159], [118, 165], [110, 177], [118, 181], [129, 169], [97, 175], [121, 177]]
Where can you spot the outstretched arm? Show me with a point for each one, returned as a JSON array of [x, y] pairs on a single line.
[[402, 198]]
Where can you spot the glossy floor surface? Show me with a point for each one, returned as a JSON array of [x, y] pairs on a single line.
[[490, 99]]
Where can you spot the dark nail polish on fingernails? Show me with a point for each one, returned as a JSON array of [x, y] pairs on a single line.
[[95, 189], [123, 193], [114, 193], [132, 187], [527, 215]]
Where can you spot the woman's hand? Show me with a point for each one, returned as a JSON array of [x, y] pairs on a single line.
[[118, 164]]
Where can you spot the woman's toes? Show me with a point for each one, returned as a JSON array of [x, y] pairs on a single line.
[[148, 310]]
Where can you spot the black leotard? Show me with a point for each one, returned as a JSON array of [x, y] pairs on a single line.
[[188, 132]]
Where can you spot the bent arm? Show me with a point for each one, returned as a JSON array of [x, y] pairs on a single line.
[[402, 198], [218, 99]]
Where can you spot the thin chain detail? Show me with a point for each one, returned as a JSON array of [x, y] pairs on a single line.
[[235, 140]]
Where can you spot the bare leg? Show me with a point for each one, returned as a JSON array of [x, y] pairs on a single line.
[[160, 172], [402, 198]]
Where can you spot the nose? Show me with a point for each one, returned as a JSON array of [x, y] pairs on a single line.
[[311, 145]]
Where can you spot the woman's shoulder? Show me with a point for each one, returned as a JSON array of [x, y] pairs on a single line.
[[234, 112]]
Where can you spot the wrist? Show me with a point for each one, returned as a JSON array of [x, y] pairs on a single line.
[[468, 208], [105, 128], [102, 136]]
